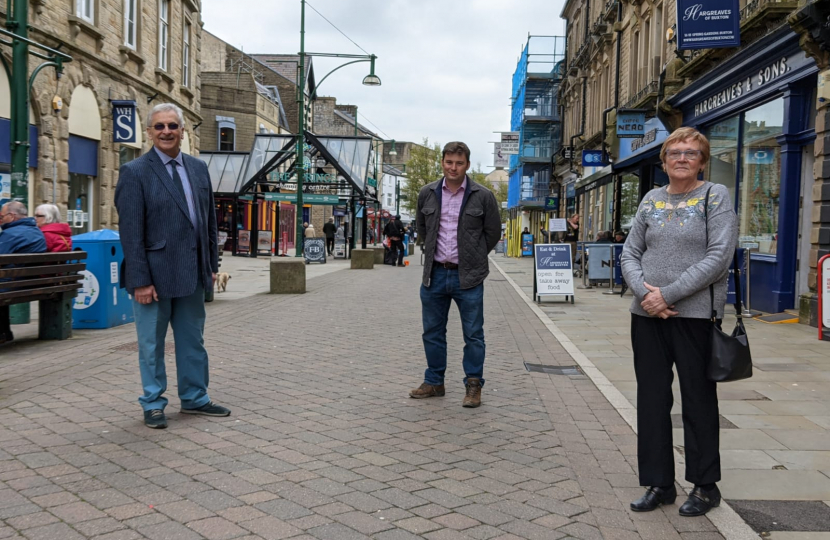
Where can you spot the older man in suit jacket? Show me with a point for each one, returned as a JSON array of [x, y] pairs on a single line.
[[168, 231]]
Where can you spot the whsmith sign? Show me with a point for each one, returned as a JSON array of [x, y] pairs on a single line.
[[764, 76], [708, 24]]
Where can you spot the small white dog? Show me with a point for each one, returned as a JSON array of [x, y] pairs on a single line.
[[222, 281]]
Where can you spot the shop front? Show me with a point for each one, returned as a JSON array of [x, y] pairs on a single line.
[[595, 203], [758, 111], [639, 170]]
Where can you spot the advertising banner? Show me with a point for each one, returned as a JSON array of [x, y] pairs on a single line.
[[527, 245], [631, 124], [123, 122], [554, 270], [500, 159], [708, 24], [314, 250], [510, 143], [244, 240], [264, 241]]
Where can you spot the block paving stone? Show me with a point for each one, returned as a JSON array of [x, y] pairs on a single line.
[[323, 442]]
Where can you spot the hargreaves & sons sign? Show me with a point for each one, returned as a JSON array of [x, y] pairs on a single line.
[[708, 24], [765, 75]]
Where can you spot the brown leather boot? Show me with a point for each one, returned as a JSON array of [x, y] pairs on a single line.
[[427, 391], [473, 397]]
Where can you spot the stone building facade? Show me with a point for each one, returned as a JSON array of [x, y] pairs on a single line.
[[146, 51], [757, 103]]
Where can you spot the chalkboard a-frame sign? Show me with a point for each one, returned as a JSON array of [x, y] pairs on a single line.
[[314, 250]]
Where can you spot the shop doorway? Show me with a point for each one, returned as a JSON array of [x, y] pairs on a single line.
[[81, 202], [805, 220]]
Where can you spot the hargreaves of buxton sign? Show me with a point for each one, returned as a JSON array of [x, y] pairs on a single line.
[[708, 24]]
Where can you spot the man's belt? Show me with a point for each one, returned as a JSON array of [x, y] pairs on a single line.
[[447, 265]]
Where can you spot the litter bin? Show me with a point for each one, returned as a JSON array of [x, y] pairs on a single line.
[[101, 303]]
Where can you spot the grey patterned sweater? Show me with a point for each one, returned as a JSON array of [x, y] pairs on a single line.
[[667, 248]]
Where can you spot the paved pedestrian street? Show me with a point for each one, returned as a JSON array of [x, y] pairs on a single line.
[[323, 441]]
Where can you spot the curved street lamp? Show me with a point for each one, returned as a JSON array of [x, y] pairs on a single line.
[[369, 80]]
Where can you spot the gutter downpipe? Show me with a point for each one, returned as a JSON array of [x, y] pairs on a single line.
[[584, 90], [616, 85]]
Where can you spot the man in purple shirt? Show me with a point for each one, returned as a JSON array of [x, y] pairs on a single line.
[[458, 222]]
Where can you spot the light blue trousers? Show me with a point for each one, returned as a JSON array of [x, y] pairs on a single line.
[[186, 315]]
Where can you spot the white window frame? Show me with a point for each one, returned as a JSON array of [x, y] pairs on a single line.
[[164, 34], [85, 9], [131, 17], [186, 52]]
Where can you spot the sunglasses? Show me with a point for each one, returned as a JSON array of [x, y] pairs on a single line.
[[173, 126], [39, 215]]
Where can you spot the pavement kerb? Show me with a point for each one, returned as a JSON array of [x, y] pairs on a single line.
[[727, 521]]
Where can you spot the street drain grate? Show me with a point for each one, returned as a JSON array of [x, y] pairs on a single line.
[[768, 516], [169, 347], [554, 370]]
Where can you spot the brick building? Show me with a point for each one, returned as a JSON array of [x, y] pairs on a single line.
[[145, 52]]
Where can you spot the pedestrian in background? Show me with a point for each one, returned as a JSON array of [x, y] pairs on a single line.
[[394, 231], [459, 225], [329, 230], [669, 266], [310, 232], [619, 237], [167, 221], [58, 235]]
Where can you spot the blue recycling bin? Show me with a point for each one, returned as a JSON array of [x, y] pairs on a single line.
[[101, 303]]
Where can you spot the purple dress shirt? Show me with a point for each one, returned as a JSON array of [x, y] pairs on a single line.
[[447, 248]]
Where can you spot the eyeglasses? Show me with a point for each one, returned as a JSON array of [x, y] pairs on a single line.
[[691, 155], [39, 215], [172, 126]]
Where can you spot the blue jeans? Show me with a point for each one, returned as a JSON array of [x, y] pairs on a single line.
[[435, 307], [186, 315]]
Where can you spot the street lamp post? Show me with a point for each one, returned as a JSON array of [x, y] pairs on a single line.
[[369, 80]]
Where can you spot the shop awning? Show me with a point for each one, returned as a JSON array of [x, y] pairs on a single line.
[[599, 178]]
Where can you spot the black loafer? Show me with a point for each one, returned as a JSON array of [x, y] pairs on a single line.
[[654, 497], [700, 501]]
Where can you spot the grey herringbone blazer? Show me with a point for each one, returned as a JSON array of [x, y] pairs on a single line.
[[161, 245]]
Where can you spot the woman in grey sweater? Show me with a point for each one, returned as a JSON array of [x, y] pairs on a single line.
[[669, 266]]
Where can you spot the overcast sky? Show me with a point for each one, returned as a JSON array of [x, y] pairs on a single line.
[[446, 65]]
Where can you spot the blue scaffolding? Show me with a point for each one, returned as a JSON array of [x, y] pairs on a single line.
[[535, 115]]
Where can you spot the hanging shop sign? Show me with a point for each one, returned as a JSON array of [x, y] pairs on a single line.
[[123, 122], [552, 203], [592, 158], [500, 159], [570, 190], [631, 123], [567, 152], [510, 143], [708, 24]]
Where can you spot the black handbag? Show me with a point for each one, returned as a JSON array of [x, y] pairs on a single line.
[[730, 357]]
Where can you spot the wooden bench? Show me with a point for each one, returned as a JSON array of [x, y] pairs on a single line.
[[52, 279]]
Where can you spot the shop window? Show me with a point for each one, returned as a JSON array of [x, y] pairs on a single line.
[[164, 33], [81, 189], [723, 161], [227, 139], [85, 9], [629, 200], [131, 23], [186, 54], [127, 154], [761, 175]]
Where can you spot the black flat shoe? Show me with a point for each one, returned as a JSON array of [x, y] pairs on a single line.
[[654, 497], [700, 501]]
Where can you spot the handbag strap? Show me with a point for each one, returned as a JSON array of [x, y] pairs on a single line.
[[736, 271]]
